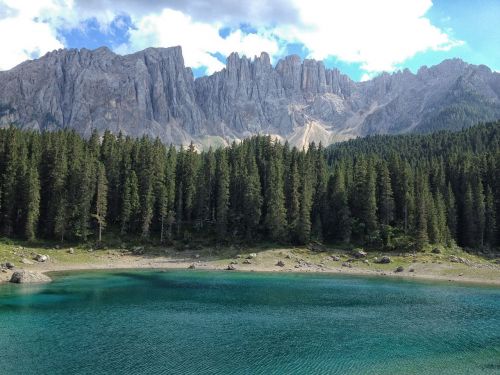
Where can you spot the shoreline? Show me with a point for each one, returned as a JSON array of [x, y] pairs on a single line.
[[356, 273], [137, 263], [425, 267]]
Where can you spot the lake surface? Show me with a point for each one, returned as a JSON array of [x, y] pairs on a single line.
[[197, 322]]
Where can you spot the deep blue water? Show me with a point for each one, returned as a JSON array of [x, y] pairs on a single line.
[[196, 322]]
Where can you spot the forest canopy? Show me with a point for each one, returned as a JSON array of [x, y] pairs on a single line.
[[391, 192]]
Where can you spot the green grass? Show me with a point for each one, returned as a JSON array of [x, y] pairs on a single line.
[[268, 254]]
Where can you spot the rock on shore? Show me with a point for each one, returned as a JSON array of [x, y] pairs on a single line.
[[29, 277]]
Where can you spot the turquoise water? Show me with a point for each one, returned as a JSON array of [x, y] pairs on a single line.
[[180, 322]]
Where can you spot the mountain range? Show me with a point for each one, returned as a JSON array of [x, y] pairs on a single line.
[[153, 93]]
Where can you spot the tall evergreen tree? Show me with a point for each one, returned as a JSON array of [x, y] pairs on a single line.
[[101, 199], [221, 195], [275, 220], [490, 234]]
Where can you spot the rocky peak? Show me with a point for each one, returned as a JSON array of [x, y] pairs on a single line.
[[153, 93]]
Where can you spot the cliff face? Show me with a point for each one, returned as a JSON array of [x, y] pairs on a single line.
[[152, 93]]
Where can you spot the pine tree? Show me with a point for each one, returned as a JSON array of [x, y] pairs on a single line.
[[385, 199], [60, 211], [339, 223], [9, 181], [303, 229], [490, 219], [130, 203], [468, 227], [292, 187], [221, 195], [319, 179], [275, 220], [101, 199], [252, 198], [32, 201], [146, 181], [421, 214], [479, 213], [451, 212]]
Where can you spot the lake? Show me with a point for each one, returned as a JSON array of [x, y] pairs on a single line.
[[208, 322]]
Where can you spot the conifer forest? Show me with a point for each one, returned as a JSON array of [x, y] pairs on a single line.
[[390, 192]]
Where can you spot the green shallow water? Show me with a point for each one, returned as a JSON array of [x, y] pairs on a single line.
[[180, 322]]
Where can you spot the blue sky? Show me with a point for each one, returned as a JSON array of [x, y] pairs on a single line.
[[360, 37]]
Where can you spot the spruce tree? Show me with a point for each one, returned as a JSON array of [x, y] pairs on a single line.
[[221, 195], [275, 220], [32, 201], [252, 198], [385, 199], [101, 199], [490, 234]]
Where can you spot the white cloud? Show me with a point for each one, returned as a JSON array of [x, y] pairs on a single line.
[[378, 35], [22, 36], [199, 40]]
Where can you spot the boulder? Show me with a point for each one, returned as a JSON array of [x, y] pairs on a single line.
[[335, 258], [384, 260], [247, 261], [71, 250], [359, 253], [9, 265], [27, 277], [41, 258], [280, 263], [26, 261], [138, 250], [230, 267], [252, 256], [436, 250], [346, 264], [316, 247], [191, 267], [399, 269]]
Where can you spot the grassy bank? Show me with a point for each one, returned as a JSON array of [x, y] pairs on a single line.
[[449, 264]]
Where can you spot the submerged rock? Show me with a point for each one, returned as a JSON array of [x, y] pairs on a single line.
[[28, 277]]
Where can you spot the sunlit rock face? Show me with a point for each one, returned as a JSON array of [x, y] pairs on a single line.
[[152, 93]]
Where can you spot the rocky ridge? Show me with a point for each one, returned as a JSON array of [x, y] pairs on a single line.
[[152, 93]]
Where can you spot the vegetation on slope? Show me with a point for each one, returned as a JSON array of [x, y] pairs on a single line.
[[390, 192]]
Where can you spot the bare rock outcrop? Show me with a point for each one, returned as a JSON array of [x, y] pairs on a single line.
[[153, 93], [29, 277]]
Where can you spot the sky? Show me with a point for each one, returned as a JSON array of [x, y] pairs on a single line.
[[362, 38]]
